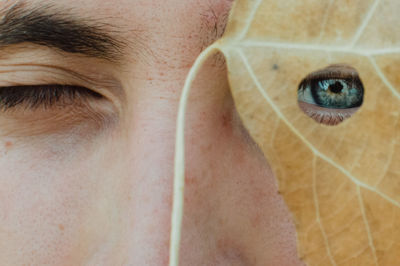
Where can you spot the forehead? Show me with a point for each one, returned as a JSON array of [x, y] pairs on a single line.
[[203, 20], [139, 12], [191, 23]]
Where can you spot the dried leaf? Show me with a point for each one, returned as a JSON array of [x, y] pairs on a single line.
[[341, 183]]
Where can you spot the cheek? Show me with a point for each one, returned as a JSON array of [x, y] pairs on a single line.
[[232, 206], [45, 203]]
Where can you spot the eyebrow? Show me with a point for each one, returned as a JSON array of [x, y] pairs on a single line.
[[45, 25]]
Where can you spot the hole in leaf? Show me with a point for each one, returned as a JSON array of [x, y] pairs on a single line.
[[331, 95]]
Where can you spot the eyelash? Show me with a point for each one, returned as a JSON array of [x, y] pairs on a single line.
[[45, 96], [322, 99]]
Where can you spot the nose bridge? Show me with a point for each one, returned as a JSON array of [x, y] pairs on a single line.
[[147, 180], [148, 148], [153, 90], [148, 186]]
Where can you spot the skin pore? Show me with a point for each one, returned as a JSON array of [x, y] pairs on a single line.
[[89, 181]]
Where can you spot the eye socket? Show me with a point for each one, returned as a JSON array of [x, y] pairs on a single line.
[[332, 94]]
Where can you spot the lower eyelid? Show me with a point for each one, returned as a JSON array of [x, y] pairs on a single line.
[[327, 116]]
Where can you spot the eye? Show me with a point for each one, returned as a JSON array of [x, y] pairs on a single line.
[[45, 96], [332, 94]]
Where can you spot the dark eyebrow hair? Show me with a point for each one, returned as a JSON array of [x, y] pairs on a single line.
[[47, 26]]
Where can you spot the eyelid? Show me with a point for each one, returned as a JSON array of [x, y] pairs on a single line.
[[326, 116], [39, 67], [336, 71], [63, 115], [46, 95]]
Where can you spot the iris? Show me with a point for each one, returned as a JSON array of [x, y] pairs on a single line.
[[337, 93], [332, 94]]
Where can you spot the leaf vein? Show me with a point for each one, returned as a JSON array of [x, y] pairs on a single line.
[[383, 78], [316, 203], [325, 20], [305, 141], [323, 48], [370, 240], [364, 23], [359, 155], [387, 165], [250, 19]]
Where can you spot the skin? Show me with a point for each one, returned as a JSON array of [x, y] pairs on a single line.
[[92, 184]]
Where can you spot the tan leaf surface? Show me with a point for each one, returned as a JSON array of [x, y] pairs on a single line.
[[341, 183]]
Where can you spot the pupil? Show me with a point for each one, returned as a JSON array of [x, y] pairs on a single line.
[[336, 87]]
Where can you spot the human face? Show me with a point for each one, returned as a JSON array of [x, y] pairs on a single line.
[[88, 180]]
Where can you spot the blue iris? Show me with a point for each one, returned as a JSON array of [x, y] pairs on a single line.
[[337, 93]]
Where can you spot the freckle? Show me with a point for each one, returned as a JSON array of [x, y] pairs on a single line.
[[275, 67], [8, 144], [226, 120], [61, 227]]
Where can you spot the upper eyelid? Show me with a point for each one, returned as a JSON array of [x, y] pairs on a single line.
[[338, 71], [35, 96], [104, 83]]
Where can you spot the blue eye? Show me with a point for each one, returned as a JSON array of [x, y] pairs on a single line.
[[332, 94]]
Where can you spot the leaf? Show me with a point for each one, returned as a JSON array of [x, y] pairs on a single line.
[[341, 183]]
